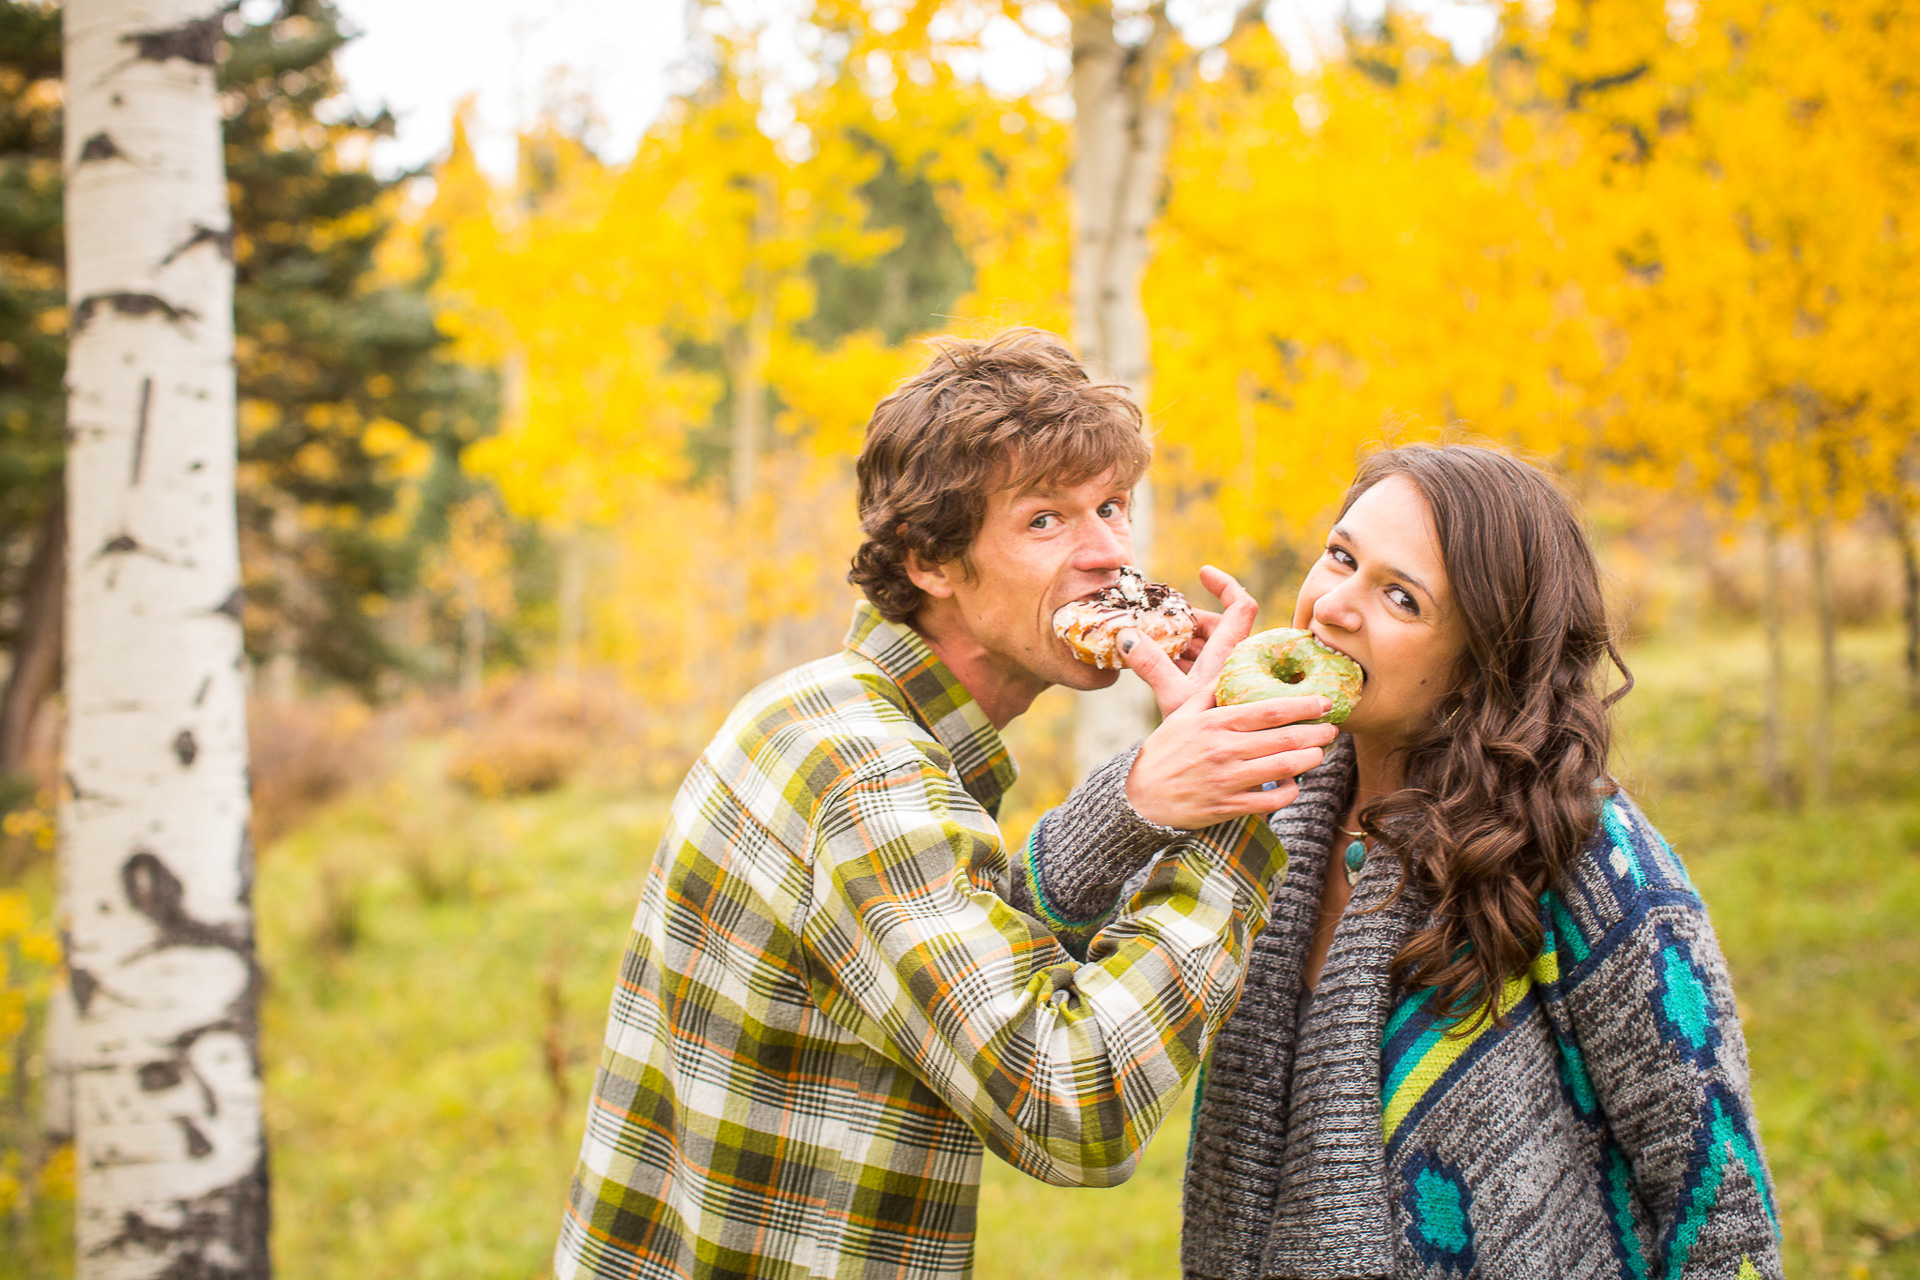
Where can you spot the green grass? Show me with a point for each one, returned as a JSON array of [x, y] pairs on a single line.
[[425, 951], [419, 941]]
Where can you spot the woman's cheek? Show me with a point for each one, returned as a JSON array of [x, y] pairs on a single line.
[[1311, 589]]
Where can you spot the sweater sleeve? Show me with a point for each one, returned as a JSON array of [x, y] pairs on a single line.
[[1658, 1054], [1071, 869]]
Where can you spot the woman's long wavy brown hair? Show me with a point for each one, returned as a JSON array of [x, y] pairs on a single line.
[[1503, 787]]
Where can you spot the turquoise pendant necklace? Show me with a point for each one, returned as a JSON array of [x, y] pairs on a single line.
[[1356, 855]]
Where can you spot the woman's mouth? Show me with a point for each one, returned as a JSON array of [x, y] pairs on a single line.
[[1365, 675]]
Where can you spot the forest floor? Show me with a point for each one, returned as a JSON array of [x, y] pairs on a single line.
[[439, 966]]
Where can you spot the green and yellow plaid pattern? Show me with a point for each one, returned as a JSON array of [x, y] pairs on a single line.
[[826, 1006]]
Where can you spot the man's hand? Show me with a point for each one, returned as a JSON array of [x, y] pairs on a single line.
[[1205, 764]]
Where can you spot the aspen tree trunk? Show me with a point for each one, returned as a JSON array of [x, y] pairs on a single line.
[[156, 863], [1826, 688], [1910, 561], [1123, 96], [1773, 618], [749, 349], [1900, 524], [1122, 102]]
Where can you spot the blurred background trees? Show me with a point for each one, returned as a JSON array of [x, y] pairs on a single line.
[[543, 467]]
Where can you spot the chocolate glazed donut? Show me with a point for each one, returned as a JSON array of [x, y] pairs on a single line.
[[1091, 626]]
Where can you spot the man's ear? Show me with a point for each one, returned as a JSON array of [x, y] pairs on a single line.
[[930, 578]]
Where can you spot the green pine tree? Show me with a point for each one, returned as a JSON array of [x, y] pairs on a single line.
[[33, 358], [325, 349]]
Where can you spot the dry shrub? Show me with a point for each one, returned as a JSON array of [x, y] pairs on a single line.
[[527, 734], [1862, 578], [306, 752]]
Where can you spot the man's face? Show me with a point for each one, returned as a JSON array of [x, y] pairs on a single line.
[[1037, 549]]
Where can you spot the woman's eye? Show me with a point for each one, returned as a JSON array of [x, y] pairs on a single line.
[[1403, 600], [1339, 556]]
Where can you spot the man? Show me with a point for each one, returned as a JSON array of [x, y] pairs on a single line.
[[838, 986]]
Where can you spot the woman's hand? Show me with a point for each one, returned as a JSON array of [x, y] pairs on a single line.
[[1206, 764], [1174, 681]]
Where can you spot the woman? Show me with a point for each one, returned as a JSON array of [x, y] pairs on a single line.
[[1367, 1111]]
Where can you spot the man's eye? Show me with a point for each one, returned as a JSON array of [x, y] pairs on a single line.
[[1042, 521], [1110, 508]]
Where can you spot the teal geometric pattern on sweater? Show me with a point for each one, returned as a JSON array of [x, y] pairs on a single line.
[[1681, 1004], [1607, 1132], [1725, 1141], [1438, 1216]]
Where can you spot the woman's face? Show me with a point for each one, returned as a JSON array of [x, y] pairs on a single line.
[[1379, 594]]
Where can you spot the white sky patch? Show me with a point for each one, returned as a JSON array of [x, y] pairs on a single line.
[[421, 57], [611, 65]]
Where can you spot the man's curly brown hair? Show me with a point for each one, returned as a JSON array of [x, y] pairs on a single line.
[[1006, 413]]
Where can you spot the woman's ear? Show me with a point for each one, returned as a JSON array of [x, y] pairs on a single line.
[[929, 577]]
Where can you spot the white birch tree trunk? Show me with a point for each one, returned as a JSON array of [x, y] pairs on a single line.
[[156, 863], [1123, 103]]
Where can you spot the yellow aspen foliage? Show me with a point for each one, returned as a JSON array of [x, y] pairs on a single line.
[[1352, 256], [31, 1167], [1675, 252]]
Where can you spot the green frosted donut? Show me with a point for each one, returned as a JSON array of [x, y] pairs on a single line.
[[1289, 663]]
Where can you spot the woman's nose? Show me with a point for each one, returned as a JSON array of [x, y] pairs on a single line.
[[1339, 606]]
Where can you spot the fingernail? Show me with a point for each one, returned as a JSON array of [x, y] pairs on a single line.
[[1127, 640]]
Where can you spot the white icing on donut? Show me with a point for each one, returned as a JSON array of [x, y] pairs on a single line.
[[1091, 627]]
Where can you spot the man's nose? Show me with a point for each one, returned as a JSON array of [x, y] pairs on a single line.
[[1103, 546]]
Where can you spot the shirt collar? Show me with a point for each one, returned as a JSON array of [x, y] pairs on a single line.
[[938, 700]]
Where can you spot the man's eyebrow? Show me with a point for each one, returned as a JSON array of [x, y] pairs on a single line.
[[1411, 580]]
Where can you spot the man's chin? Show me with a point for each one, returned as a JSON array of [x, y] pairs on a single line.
[[1086, 678]]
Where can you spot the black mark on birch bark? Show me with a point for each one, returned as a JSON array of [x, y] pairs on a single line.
[[197, 41], [246, 856], [232, 606], [221, 240], [140, 427], [156, 893], [100, 147], [185, 749], [220, 1236], [84, 986], [130, 304], [158, 1076], [197, 1145], [206, 683], [125, 544]]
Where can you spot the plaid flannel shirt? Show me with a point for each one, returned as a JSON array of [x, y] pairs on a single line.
[[826, 1005]]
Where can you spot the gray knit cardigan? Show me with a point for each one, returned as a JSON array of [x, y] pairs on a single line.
[[1605, 1131]]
